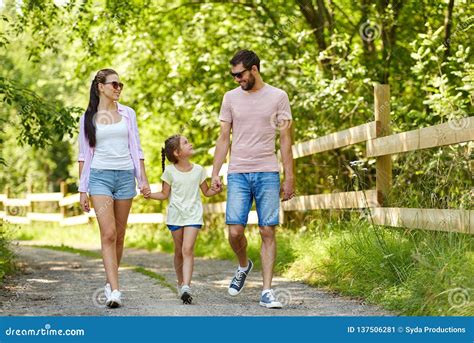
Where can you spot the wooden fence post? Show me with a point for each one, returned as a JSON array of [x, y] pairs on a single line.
[[29, 187], [63, 188], [7, 194], [383, 164], [470, 154]]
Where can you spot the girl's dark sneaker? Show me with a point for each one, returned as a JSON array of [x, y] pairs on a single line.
[[186, 295]]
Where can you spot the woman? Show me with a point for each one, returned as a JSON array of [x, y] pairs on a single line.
[[110, 158]]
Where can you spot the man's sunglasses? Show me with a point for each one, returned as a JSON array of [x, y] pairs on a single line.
[[239, 74], [115, 84]]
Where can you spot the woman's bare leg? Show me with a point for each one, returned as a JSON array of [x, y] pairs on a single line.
[[121, 211], [104, 209]]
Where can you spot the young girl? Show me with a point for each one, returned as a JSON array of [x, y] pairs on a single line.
[[184, 215]]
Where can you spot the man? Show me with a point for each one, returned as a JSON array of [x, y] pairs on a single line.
[[253, 113]]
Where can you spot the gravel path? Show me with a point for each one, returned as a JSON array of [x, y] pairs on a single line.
[[58, 283]]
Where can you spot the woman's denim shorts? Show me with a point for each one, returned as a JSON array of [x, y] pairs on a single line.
[[118, 184]]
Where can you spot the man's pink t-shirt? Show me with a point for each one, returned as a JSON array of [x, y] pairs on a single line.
[[255, 118]]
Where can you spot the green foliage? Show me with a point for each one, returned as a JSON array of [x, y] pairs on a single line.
[[173, 58], [41, 122], [7, 264], [412, 272]]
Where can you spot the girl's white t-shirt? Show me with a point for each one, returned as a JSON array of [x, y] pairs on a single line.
[[185, 206]]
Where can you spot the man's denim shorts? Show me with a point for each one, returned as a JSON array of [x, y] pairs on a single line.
[[242, 188], [118, 184]]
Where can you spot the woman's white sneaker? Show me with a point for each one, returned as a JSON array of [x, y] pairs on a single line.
[[115, 299], [107, 291]]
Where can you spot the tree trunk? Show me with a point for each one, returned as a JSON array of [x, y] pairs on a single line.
[[447, 29], [369, 46], [388, 35], [315, 18]]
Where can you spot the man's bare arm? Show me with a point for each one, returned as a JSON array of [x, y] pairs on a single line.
[[222, 148]]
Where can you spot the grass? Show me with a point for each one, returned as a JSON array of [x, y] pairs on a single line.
[[94, 254], [7, 258], [52, 233], [410, 272], [64, 248], [160, 278]]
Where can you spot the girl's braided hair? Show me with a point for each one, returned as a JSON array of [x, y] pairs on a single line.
[[172, 144]]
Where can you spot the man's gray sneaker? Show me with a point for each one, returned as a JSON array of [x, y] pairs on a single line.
[[268, 300]]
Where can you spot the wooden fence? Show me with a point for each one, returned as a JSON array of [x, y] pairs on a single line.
[[381, 144]]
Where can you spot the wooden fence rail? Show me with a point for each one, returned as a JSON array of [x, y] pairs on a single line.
[[380, 144]]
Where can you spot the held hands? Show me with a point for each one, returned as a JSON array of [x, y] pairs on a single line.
[[216, 190], [216, 184], [146, 191]]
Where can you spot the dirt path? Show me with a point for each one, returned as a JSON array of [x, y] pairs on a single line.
[[58, 283]]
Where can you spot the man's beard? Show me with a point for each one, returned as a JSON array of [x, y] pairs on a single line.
[[250, 83]]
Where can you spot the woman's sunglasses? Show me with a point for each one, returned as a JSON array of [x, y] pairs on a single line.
[[115, 84]]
